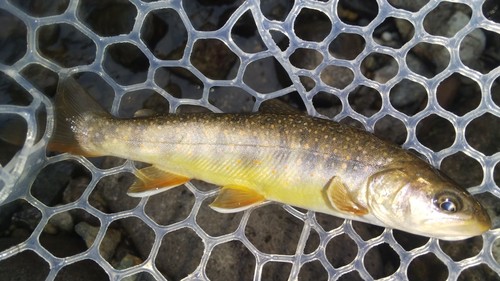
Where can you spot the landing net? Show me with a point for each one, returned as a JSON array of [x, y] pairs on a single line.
[[424, 74]]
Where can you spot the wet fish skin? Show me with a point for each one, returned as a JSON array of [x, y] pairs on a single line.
[[286, 157]]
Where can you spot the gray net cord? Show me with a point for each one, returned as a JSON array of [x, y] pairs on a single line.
[[17, 176]]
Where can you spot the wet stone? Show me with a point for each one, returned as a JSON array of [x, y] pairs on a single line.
[[108, 244], [410, 5], [272, 230], [338, 77], [386, 72], [478, 273], [62, 244], [446, 20], [61, 221], [460, 250], [341, 250], [231, 99], [26, 265], [109, 18], [47, 188], [408, 97], [213, 58], [427, 267], [74, 191], [128, 261], [6, 212], [27, 217], [13, 38]]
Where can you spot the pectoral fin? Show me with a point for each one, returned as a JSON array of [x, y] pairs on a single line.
[[152, 180], [339, 197], [232, 199]]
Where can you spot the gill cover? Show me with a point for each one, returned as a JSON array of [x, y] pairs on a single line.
[[386, 194]]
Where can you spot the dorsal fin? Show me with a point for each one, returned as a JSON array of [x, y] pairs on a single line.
[[277, 107]]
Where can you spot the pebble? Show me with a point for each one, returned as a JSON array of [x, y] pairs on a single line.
[[108, 244], [410, 5], [446, 20], [60, 221], [129, 261]]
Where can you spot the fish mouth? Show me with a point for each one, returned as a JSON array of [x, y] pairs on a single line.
[[453, 228], [462, 229]]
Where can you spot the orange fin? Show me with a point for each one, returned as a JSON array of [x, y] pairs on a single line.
[[339, 197], [232, 199], [151, 180]]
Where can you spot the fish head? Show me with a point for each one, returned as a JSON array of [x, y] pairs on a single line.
[[417, 198]]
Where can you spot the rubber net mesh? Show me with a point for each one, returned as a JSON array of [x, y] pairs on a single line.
[[324, 56]]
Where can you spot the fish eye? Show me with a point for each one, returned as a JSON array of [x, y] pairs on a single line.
[[448, 206], [447, 202]]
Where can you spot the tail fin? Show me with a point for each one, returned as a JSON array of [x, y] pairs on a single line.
[[72, 107]]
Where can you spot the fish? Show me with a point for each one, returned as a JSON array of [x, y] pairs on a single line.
[[277, 154]]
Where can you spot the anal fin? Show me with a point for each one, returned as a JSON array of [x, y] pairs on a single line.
[[232, 199], [339, 197], [151, 180]]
